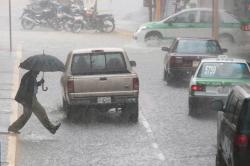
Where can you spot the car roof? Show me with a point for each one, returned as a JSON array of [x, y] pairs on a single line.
[[201, 9], [224, 58], [90, 50], [195, 38]]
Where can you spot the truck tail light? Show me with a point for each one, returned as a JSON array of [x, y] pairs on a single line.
[[70, 86], [135, 84], [241, 141], [197, 88]]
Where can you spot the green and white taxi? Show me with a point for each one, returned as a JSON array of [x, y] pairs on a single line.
[[214, 79], [194, 22]]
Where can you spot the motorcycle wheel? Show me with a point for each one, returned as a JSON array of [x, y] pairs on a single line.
[[68, 25], [27, 24], [108, 26], [58, 26], [76, 27]]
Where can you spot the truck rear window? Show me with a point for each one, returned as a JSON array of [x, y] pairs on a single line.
[[98, 63]]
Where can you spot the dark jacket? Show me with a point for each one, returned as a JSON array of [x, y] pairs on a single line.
[[25, 92]]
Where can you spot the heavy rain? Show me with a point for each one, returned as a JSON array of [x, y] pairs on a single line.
[[124, 82]]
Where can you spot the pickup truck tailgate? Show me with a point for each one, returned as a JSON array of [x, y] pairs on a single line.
[[104, 84]]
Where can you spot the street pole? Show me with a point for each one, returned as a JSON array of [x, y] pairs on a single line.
[[215, 26], [10, 27], [150, 8]]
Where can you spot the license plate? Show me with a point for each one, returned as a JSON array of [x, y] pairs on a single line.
[[196, 63], [211, 89], [103, 100], [223, 90]]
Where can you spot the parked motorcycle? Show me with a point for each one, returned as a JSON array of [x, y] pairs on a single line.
[[48, 17], [72, 20], [100, 22]]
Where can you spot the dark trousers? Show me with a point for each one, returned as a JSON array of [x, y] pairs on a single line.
[[40, 113]]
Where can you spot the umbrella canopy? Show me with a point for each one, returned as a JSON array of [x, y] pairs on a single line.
[[43, 62]]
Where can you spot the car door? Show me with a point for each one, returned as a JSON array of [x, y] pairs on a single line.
[[229, 128], [181, 25]]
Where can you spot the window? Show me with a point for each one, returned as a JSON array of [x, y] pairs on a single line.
[[198, 47], [231, 107], [186, 17], [224, 70], [228, 18], [206, 17], [98, 63], [245, 118]]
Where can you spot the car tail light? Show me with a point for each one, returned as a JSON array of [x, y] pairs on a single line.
[[245, 27], [241, 141], [135, 84], [70, 86], [197, 88], [172, 60]]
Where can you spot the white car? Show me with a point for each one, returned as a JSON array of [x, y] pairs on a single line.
[[195, 22]]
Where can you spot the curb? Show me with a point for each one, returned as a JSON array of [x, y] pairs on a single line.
[[124, 33], [12, 139]]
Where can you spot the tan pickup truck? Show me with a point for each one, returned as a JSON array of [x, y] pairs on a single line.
[[102, 79]]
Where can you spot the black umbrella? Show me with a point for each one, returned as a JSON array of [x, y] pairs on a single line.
[[44, 63]]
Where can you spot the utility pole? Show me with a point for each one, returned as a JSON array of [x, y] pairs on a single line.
[[150, 8], [216, 25], [10, 26]]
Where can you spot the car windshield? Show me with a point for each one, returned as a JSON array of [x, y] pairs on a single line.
[[224, 70], [198, 47], [98, 63]]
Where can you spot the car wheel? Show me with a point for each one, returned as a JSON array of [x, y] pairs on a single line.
[[164, 75], [219, 159], [192, 109], [226, 39], [168, 77], [153, 39]]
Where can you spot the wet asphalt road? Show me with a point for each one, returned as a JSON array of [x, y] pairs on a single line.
[[164, 136]]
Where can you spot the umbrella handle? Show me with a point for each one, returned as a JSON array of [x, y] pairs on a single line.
[[44, 88]]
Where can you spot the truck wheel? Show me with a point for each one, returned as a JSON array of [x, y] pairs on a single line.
[[219, 160], [131, 113], [68, 109], [134, 113]]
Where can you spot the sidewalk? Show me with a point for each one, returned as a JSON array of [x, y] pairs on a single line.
[[8, 80]]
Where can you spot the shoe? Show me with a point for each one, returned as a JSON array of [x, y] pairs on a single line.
[[53, 130]]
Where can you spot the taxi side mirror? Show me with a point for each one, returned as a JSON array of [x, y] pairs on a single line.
[[217, 105]]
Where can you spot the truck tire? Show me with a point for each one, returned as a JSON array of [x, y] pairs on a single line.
[[131, 113], [67, 109]]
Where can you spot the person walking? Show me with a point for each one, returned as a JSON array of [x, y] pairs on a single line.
[[26, 95]]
